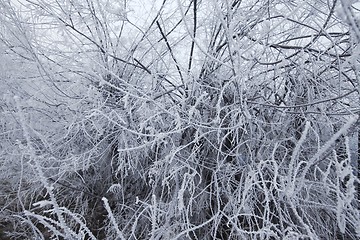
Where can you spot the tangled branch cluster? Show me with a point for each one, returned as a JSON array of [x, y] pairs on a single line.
[[212, 120]]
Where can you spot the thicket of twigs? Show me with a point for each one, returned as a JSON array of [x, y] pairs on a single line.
[[222, 119]]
